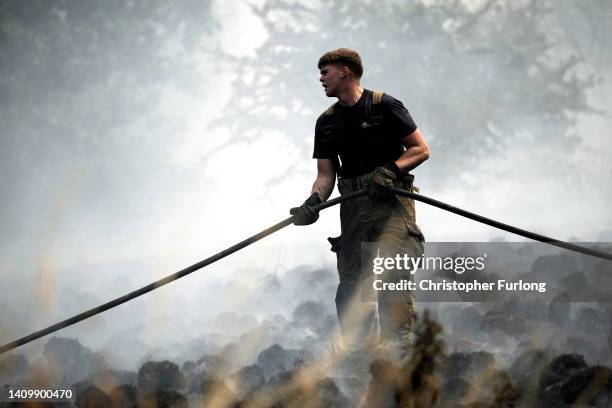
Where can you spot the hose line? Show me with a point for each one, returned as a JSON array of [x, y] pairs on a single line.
[[502, 226], [234, 248]]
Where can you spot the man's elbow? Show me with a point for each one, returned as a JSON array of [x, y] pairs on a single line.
[[424, 153]]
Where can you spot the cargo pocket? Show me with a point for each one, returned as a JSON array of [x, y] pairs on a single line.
[[407, 210], [414, 230], [343, 263]]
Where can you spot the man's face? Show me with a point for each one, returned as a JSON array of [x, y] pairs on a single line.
[[332, 78]]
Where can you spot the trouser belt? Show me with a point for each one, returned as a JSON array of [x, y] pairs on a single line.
[[349, 184]]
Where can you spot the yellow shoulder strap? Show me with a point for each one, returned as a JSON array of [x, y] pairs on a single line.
[[377, 97], [330, 110]]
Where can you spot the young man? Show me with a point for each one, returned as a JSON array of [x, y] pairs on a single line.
[[368, 140]]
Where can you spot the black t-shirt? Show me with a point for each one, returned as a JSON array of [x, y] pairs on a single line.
[[360, 139]]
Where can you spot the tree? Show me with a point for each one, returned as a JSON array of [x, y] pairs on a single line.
[[80, 90], [476, 80]]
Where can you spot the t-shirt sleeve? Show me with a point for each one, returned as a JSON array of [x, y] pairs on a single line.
[[400, 120], [323, 146]]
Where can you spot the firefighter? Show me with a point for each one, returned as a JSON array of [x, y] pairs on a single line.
[[368, 140]]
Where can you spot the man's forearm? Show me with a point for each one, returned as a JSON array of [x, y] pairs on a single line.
[[416, 152], [411, 158], [324, 187]]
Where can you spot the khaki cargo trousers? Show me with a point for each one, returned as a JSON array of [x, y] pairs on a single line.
[[365, 315]]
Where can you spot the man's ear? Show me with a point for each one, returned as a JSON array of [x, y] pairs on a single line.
[[345, 72]]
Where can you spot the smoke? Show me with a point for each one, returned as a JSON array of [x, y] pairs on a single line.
[[247, 349], [137, 140]]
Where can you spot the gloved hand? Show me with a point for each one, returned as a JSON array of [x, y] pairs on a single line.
[[305, 215], [382, 181]]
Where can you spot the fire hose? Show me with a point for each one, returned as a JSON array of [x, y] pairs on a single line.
[[234, 248]]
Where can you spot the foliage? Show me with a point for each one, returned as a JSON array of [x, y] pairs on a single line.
[[475, 81]]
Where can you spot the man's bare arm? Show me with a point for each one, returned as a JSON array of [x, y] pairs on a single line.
[[326, 178], [416, 152]]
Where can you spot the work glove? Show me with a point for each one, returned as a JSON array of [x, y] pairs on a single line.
[[305, 214], [382, 180]]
